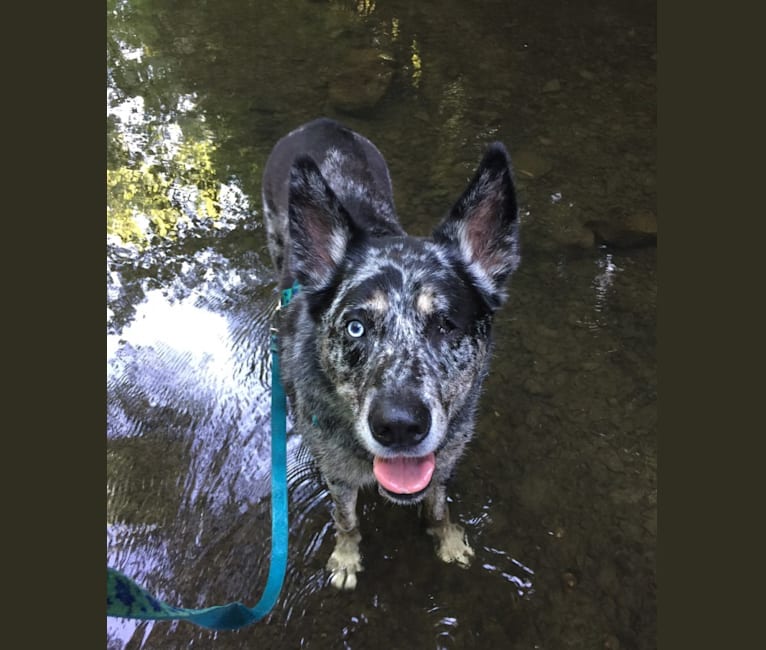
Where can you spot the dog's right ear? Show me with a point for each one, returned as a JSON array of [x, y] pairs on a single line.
[[320, 227], [483, 226]]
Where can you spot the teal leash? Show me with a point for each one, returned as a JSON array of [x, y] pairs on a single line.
[[125, 599]]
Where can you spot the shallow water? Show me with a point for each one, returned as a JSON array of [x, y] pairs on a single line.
[[558, 489]]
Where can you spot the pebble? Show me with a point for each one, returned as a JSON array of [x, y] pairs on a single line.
[[530, 164], [643, 222], [553, 86], [569, 579]]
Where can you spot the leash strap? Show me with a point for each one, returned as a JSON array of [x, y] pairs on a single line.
[[125, 599]]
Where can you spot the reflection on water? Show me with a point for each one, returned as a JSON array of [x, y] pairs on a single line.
[[523, 584], [557, 492], [603, 280]]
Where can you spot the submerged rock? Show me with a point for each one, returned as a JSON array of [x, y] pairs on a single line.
[[530, 164], [573, 235], [638, 229], [363, 81]]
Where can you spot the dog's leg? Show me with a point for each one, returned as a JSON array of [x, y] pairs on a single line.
[[346, 560], [451, 542]]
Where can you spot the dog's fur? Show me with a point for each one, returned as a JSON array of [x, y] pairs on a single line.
[[385, 346]]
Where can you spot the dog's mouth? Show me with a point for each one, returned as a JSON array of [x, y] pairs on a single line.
[[403, 476]]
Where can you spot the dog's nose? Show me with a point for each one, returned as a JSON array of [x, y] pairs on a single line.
[[399, 421]]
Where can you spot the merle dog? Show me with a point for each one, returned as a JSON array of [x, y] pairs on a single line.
[[387, 341]]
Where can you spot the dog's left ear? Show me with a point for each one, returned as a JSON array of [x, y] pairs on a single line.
[[484, 226]]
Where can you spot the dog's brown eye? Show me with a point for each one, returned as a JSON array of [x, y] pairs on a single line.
[[355, 329], [446, 325]]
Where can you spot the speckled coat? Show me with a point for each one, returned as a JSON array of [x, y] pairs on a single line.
[[385, 346]]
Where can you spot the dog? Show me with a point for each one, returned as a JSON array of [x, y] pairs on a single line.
[[387, 341]]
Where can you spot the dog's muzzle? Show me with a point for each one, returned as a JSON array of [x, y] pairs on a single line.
[[400, 422]]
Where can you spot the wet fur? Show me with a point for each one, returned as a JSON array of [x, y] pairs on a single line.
[[425, 304]]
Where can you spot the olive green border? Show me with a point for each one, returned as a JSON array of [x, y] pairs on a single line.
[[55, 236], [706, 530], [60, 293]]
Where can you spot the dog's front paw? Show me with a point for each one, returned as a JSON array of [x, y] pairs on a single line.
[[452, 544], [345, 562]]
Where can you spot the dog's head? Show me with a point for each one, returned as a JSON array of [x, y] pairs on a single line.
[[403, 324]]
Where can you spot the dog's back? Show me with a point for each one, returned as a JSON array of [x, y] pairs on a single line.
[[352, 166]]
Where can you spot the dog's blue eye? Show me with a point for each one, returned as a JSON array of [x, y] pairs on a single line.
[[355, 329]]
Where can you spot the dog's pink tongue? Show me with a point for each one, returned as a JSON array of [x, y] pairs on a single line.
[[404, 475]]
